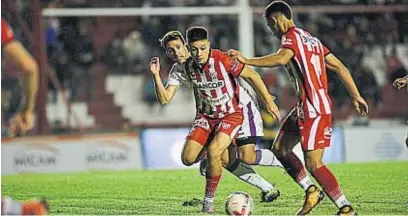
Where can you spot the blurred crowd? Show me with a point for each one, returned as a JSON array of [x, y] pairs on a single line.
[[125, 44]]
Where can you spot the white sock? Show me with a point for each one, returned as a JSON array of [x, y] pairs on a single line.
[[342, 201], [305, 183], [268, 158], [209, 199], [10, 206], [257, 181]]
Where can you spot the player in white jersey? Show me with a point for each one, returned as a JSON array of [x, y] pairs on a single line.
[[173, 43]]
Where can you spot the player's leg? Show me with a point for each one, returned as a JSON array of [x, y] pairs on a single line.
[[316, 134], [287, 138], [29, 207], [195, 142], [225, 132], [247, 174], [250, 132], [250, 155]]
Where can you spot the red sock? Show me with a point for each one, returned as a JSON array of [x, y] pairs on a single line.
[[293, 166], [211, 185], [329, 183]]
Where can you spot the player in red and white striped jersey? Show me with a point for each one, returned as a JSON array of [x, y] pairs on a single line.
[[306, 59], [252, 128], [214, 77], [216, 116]]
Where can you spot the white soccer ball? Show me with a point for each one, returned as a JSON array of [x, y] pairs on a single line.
[[239, 203]]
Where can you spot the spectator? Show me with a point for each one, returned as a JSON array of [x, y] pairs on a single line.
[[367, 84], [395, 68], [84, 60], [116, 56], [135, 51]]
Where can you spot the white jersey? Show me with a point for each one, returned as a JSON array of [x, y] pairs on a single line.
[[252, 125]]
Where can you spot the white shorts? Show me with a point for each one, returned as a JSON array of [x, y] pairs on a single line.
[[252, 126]]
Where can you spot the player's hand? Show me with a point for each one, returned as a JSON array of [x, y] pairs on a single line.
[[21, 123], [400, 82], [273, 109], [154, 66], [235, 54], [360, 105]]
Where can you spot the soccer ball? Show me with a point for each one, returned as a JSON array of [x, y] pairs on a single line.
[[239, 203]]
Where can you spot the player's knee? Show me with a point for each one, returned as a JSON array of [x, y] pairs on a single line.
[[188, 160], [248, 157], [313, 164]]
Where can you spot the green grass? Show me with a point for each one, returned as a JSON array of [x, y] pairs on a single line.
[[373, 188]]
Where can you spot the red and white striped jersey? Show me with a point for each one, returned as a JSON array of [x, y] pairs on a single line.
[[307, 70], [215, 85], [7, 34]]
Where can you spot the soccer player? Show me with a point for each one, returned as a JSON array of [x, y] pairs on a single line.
[[251, 131], [24, 118], [310, 122], [219, 113]]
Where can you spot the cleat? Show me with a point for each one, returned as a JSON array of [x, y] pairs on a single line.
[[313, 197], [203, 166], [35, 207], [270, 196], [208, 207], [346, 210]]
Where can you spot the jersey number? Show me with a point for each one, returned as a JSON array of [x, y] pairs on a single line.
[[315, 60]]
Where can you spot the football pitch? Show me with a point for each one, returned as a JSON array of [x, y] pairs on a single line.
[[373, 188]]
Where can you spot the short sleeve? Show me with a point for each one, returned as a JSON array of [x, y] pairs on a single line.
[[7, 34], [174, 76], [326, 50], [289, 42], [233, 66]]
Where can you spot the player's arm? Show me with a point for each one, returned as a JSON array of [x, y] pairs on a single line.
[[164, 94], [334, 64], [282, 57], [257, 83], [28, 65]]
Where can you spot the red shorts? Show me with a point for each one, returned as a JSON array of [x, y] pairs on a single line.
[[315, 133], [204, 128]]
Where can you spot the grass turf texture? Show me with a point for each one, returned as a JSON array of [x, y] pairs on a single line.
[[373, 188]]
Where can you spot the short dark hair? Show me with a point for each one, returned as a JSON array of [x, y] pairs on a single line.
[[170, 36], [278, 6], [196, 33]]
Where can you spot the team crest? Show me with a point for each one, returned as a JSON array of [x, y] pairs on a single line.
[[327, 132]]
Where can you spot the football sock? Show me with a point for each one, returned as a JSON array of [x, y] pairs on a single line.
[[211, 185], [296, 170], [10, 206], [247, 174], [267, 158], [330, 186]]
